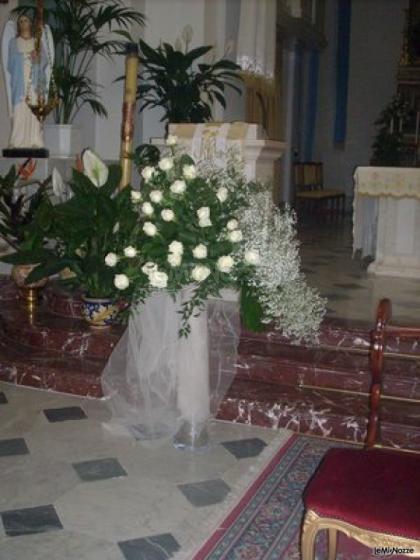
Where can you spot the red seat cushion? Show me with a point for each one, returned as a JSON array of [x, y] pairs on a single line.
[[375, 490]]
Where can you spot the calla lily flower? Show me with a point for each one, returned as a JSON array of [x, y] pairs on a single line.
[[94, 168], [58, 187]]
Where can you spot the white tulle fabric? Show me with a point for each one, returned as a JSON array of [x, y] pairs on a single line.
[[159, 384]]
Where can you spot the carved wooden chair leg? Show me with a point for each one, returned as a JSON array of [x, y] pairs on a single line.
[[332, 543], [309, 532]]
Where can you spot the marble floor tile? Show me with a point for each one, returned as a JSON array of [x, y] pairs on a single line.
[[99, 469], [28, 480], [26, 521], [205, 493], [157, 547], [58, 545], [146, 503], [13, 447], [64, 414], [244, 448]]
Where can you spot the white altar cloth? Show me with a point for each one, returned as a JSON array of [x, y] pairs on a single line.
[[386, 219]]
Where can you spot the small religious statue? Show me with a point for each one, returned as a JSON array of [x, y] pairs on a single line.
[[28, 56]]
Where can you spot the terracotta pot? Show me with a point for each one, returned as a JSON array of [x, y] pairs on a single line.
[[100, 313]]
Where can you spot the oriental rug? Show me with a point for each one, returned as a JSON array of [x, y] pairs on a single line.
[[265, 524]]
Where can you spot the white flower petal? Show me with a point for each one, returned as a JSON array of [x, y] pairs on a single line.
[[94, 168]]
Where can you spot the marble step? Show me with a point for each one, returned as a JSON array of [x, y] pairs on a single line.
[[400, 424], [62, 302], [320, 367], [320, 413], [308, 411], [43, 369], [335, 333], [45, 330]]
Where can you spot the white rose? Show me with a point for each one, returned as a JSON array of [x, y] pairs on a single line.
[[166, 163], [156, 196], [235, 236], [121, 281], [251, 257], [199, 273], [167, 215], [149, 267], [130, 252], [200, 251], [174, 259], [178, 186], [176, 248], [94, 168], [232, 224], [171, 140], [135, 196], [222, 194], [189, 171], [225, 263], [147, 173], [147, 208], [158, 279], [111, 259], [203, 213], [149, 229]]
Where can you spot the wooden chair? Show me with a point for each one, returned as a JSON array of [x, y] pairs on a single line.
[[371, 495], [310, 192]]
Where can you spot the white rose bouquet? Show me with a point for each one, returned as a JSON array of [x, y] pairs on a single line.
[[208, 228], [185, 235]]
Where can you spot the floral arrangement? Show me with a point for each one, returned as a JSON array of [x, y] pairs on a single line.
[[196, 226], [84, 226], [207, 227]]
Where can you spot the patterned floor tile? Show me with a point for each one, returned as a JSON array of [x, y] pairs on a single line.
[[64, 414], [157, 547], [244, 448], [206, 493], [16, 446], [30, 520], [100, 469]]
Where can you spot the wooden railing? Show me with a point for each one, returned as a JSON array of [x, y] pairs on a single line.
[[379, 336]]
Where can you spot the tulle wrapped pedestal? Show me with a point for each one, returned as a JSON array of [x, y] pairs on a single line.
[[159, 384]]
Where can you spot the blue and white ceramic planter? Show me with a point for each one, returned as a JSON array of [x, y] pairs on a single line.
[[100, 313]]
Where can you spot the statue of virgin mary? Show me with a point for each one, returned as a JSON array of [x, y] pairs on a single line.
[[28, 75]]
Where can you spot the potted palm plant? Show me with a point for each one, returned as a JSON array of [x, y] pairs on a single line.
[[173, 78], [83, 234], [81, 31]]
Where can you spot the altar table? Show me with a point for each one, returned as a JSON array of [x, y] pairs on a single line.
[[386, 219]]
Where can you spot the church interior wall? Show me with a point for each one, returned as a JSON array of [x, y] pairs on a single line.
[[375, 43]]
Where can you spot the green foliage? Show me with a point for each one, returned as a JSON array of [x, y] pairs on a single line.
[[185, 89], [81, 31], [81, 232], [252, 312], [17, 210], [388, 147]]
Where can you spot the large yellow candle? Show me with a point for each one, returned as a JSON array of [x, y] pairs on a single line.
[[128, 112]]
